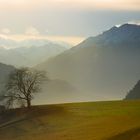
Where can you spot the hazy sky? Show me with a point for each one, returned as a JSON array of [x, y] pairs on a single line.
[[66, 20]]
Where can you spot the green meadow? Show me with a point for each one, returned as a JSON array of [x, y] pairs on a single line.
[[113, 120]]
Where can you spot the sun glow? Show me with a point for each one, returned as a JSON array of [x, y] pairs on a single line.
[[94, 4], [13, 2]]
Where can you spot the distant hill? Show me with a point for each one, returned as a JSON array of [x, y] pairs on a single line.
[[29, 52], [134, 93], [54, 91], [102, 67], [5, 70]]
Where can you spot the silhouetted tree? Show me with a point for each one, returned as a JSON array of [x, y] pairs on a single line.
[[22, 85]]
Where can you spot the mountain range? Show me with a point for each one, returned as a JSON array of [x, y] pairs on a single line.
[[29, 52], [102, 67]]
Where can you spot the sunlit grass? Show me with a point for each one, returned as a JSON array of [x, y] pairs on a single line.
[[78, 121]]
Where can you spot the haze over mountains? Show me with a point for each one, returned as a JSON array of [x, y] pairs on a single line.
[[29, 52], [54, 90], [5, 70], [103, 67]]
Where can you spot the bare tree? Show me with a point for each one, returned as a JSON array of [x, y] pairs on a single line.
[[22, 85]]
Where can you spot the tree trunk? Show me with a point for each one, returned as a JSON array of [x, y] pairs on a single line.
[[28, 103]]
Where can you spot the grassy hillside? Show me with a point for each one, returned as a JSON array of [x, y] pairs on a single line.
[[117, 120]]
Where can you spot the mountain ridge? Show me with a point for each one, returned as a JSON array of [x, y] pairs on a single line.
[[113, 35], [102, 66], [30, 55]]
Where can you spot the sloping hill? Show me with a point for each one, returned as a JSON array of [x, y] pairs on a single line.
[[102, 67], [134, 93], [78, 121]]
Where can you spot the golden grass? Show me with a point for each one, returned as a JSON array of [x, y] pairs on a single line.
[[118, 120]]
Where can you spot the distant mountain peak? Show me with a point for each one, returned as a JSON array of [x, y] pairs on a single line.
[[124, 27], [120, 35], [126, 34], [127, 25]]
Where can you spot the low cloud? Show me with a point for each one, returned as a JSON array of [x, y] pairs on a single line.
[[5, 31], [137, 22], [32, 31], [17, 38]]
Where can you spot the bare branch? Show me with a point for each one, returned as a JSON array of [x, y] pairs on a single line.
[[23, 84]]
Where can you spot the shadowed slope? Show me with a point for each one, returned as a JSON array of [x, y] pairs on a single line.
[[102, 67], [134, 93], [133, 134]]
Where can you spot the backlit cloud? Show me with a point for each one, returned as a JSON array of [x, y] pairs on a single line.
[[137, 22], [66, 20], [5, 31], [32, 31]]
